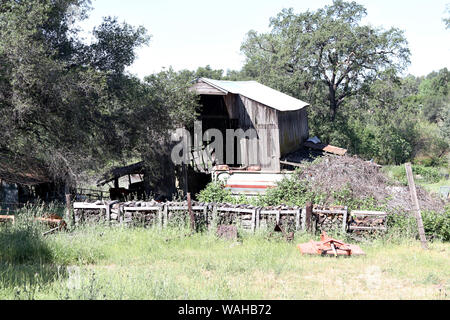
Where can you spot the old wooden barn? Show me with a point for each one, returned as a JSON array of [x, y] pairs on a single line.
[[281, 121]]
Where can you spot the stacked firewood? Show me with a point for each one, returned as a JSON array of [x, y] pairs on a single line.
[[329, 218], [361, 224]]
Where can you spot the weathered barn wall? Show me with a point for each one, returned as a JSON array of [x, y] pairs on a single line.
[[279, 131], [253, 115], [206, 89], [293, 130]]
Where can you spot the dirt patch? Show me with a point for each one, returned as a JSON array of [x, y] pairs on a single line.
[[364, 180]]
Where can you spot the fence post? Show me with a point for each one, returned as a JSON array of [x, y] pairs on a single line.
[[309, 213], [69, 219], [205, 214], [258, 218], [121, 214], [213, 224], [165, 221], [191, 213], [345, 221], [297, 219], [415, 205], [254, 220], [108, 213]]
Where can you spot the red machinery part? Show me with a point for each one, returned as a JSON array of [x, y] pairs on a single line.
[[330, 246]]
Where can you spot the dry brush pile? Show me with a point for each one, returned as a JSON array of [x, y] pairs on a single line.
[[363, 180]]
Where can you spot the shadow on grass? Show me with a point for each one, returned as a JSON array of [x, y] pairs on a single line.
[[26, 260], [23, 245]]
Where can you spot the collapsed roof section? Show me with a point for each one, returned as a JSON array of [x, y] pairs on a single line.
[[22, 170], [118, 172]]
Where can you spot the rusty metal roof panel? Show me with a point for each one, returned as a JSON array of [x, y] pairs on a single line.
[[260, 93]]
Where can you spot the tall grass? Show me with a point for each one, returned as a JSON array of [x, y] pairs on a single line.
[[119, 263]]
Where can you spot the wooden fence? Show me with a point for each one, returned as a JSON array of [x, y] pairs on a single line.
[[211, 215]]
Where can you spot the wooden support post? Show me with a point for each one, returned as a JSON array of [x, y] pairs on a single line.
[[191, 212], [297, 219], [213, 224], [416, 206], [108, 213], [205, 214], [258, 218], [69, 218], [304, 219], [160, 218], [165, 216], [121, 214], [254, 220], [344, 221], [309, 213], [278, 217]]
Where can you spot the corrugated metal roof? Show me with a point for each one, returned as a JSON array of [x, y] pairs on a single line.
[[260, 93]]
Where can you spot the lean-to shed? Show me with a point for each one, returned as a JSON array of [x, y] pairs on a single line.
[[281, 121]]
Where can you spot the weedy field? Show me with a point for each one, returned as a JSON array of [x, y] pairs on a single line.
[[97, 262]]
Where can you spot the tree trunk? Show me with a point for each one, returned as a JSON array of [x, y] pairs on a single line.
[[333, 104]]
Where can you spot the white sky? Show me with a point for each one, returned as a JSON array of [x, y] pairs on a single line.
[[190, 34]]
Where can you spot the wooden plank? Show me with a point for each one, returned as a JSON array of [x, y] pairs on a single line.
[[367, 228], [293, 164], [329, 211], [88, 206], [235, 210], [416, 206], [368, 213], [141, 208]]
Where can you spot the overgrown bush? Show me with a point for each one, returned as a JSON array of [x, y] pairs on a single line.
[[215, 192], [436, 225]]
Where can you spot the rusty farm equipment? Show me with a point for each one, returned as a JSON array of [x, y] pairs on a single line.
[[330, 247]]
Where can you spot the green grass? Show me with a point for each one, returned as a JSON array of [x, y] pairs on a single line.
[[123, 263]]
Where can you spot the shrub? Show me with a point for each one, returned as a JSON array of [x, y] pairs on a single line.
[[215, 192], [436, 225]]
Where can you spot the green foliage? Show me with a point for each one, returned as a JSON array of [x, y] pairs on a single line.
[[70, 104], [422, 174], [290, 191], [436, 225], [325, 56], [215, 192]]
